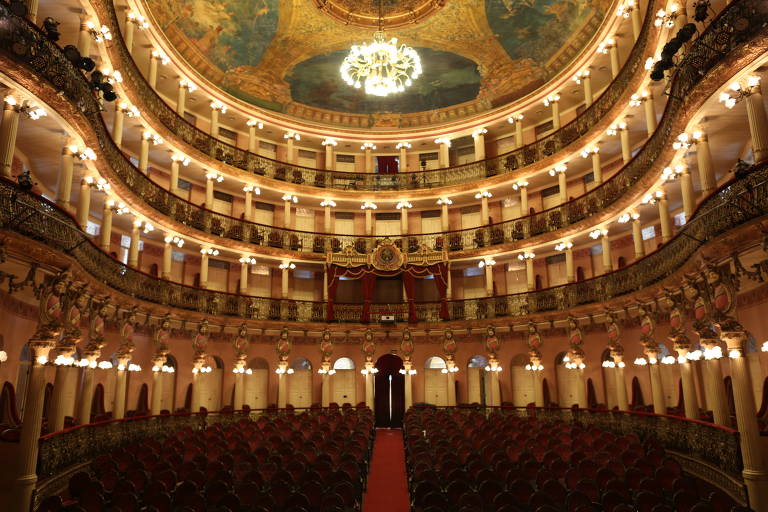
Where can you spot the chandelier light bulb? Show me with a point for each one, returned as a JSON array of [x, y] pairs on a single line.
[[330, 142], [328, 202], [161, 56], [597, 233], [403, 204], [401, 145], [382, 66], [290, 198], [444, 200], [483, 194], [139, 20], [519, 185], [368, 145], [552, 98], [188, 85], [581, 75], [368, 206], [526, 256], [515, 118], [254, 122]]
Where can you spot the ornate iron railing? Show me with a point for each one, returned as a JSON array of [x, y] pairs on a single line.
[[24, 43], [244, 160], [35, 217]]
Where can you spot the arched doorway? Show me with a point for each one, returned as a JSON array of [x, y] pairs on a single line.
[[389, 392], [477, 385]]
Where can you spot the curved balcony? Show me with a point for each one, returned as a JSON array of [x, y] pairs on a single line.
[[38, 219], [198, 143], [692, 83]]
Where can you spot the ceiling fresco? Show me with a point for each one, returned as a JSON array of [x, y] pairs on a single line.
[[273, 53]]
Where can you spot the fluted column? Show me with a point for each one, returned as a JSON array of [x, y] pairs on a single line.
[[204, 267], [287, 199], [605, 244], [285, 267], [121, 386], [327, 204], [494, 369], [581, 388], [538, 384], [758, 123], [177, 160], [488, 268], [704, 163], [282, 384], [562, 182], [243, 277], [522, 186], [129, 30], [650, 113], [529, 276], [32, 6], [593, 152], [144, 151], [404, 207], [553, 101], [713, 377], [156, 57], [569, 267], [248, 203], [478, 136], [443, 152], [621, 382], [64, 189], [84, 37], [686, 189], [20, 497], [330, 157], [133, 249], [8, 130], [63, 386], [664, 218], [690, 400], [105, 233], [484, 195], [368, 222], [210, 178], [86, 390], [325, 384], [753, 455], [118, 123], [84, 202], [408, 366], [451, 377], [613, 54], [623, 131], [634, 16], [637, 236]]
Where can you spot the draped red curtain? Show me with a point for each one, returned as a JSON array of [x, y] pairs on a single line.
[[369, 274], [387, 164]]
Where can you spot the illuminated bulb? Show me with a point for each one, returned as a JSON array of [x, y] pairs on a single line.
[[515, 118], [330, 142], [401, 145], [519, 185], [252, 188], [403, 204], [444, 200], [368, 145], [188, 85], [328, 202]]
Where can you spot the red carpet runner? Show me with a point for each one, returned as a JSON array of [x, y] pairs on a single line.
[[387, 483]]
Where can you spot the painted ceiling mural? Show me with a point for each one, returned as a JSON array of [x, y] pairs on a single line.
[[282, 53]]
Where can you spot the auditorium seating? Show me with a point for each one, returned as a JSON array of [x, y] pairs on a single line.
[[506, 461], [302, 462]]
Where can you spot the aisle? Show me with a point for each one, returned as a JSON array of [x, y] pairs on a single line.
[[387, 483]]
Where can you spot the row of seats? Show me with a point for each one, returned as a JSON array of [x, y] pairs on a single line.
[[465, 460], [309, 461]]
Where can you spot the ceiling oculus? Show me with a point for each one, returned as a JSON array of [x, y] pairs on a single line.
[[382, 66]]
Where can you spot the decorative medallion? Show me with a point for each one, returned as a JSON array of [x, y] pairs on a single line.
[[365, 13], [387, 257]]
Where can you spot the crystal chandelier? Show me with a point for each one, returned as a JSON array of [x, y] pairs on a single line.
[[382, 66]]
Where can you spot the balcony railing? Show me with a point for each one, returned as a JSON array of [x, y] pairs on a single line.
[[33, 216], [735, 26], [196, 139]]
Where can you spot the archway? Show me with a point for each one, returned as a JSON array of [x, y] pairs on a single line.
[[257, 384], [300, 383], [477, 384], [343, 382], [436, 381], [389, 392]]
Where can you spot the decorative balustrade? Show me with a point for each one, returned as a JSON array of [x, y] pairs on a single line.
[[35, 217], [244, 160], [736, 25]]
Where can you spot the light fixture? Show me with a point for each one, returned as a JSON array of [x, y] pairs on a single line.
[[82, 154], [581, 75], [403, 204], [597, 233], [487, 261], [515, 118], [694, 355], [176, 240], [403, 371], [483, 194], [626, 217], [99, 33], [372, 371], [146, 225], [214, 176], [287, 265], [209, 251], [653, 198], [105, 365], [112, 76], [552, 98], [615, 128], [609, 364], [382, 66], [562, 246], [33, 110], [740, 91], [161, 56], [668, 360], [625, 8], [368, 145], [606, 45], [368, 206], [443, 140], [534, 367], [218, 106], [290, 198], [716, 352], [589, 151], [734, 353], [330, 142], [128, 109], [252, 188], [444, 201], [118, 208], [139, 20], [189, 85], [292, 135], [526, 256], [519, 185], [452, 369], [666, 18], [250, 260], [182, 159], [153, 137], [478, 132], [639, 98], [671, 173], [403, 145], [558, 169], [62, 360]]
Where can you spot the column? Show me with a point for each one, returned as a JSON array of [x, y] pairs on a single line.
[[690, 401], [487, 265], [538, 383], [287, 199], [204, 267], [85, 400], [478, 137], [522, 186], [686, 188], [484, 195], [325, 284], [216, 108], [197, 365], [569, 270], [176, 160], [403, 147], [613, 54], [368, 222], [84, 202], [248, 205], [121, 385], [584, 78], [209, 179], [330, 160], [167, 257], [650, 112], [144, 151], [581, 385], [626, 150], [562, 182], [62, 387], [20, 497], [664, 218], [408, 366], [553, 101], [84, 37], [530, 279], [8, 130], [758, 123], [290, 156], [443, 154], [593, 152], [130, 29], [244, 262], [285, 267], [327, 204], [369, 372], [704, 163], [517, 120], [185, 86], [282, 384], [156, 57], [119, 122], [105, 233], [621, 383], [64, 191], [451, 377], [494, 369], [133, 249], [713, 377], [32, 6], [239, 391], [637, 236], [253, 141], [605, 244], [752, 453], [325, 384], [657, 389], [404, 206], [368, 148], [444, 224]]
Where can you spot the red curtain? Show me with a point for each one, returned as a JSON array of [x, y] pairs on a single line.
[[387, 164], [369, 274]]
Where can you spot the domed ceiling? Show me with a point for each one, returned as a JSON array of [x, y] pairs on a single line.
[[280, 54]]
